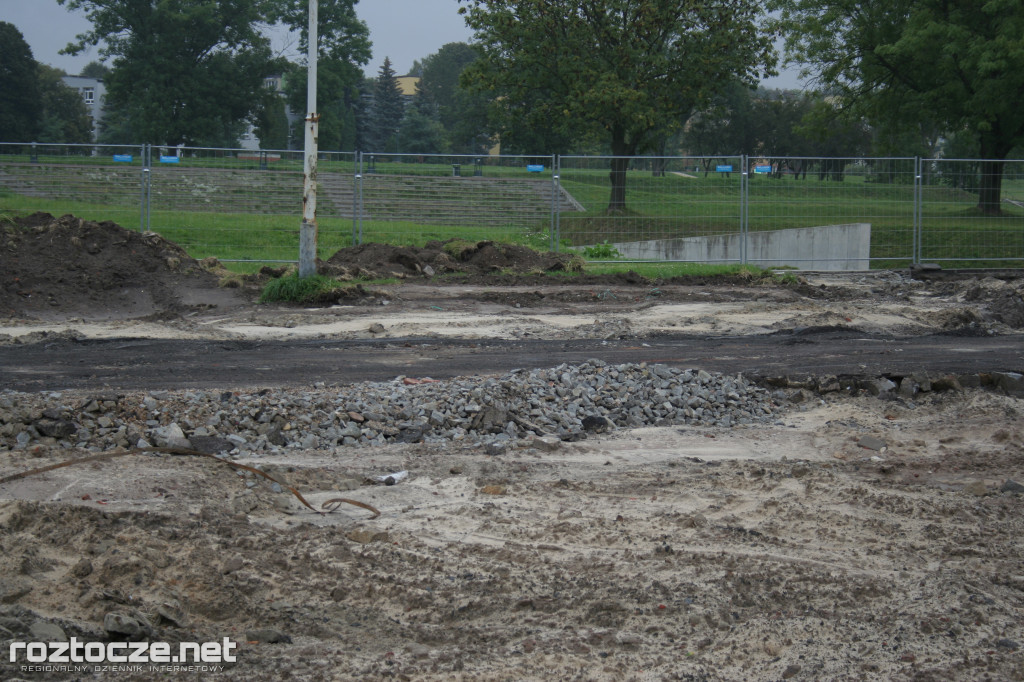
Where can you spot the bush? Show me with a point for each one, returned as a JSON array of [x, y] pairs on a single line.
[[602, 251]]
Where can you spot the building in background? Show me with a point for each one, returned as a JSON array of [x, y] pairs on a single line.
[[93, 93]]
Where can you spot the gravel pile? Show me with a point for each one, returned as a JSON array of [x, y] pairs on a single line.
[[565, 402]]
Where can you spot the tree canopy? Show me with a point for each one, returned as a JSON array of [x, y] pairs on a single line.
[[62, 112], [19, 105], [343, 47], [184, 71], [631, 69], [461, 113], [193, 71], [958, 63]]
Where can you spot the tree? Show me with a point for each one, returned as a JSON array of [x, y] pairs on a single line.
[[62, 113], [421, 133], [184, 71], [272, 122], [343, 47], [957, 62], [19, 105], [632, 69], [387, 111], [727, 126], [96, 70], [463, 114]]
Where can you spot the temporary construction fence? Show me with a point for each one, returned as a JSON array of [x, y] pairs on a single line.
[[813, 213]]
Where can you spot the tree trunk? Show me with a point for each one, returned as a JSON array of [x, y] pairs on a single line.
[[990, 187], [621, 150], [990, 184]]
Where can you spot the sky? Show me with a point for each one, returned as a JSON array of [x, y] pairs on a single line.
[[403, 30]]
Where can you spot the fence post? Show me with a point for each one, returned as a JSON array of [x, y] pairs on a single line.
[[556, 196], [918, 169], [145, 153], [357, 201], [744, 207]]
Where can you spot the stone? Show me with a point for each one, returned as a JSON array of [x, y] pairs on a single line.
[[211, 445], [267, 636], [947, 383], [117, 624], [597, 423], [412, 434], [1010, 382], [1011, 486], [170, 436], [879, 387], [791, 670], [56, 428], [695, 520], [82, 569], [171, 611], [871, 443], [43, 631], [546, 443], [365, 536]]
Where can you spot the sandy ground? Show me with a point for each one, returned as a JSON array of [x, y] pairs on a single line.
[[879, 302], [857, 539]]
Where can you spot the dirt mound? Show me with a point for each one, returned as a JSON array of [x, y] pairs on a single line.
[[453, 256], [1005, 300], [52, 267]]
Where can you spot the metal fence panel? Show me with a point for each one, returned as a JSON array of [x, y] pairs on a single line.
[[670, 203], [958, 229], [817, 198], [246, 205], [414, 198], [242, 205], [94, 182]]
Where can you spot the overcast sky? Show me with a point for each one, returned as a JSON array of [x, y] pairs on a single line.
[[404, 30]]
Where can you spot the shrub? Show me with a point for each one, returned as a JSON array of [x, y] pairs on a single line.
[[602, 251]]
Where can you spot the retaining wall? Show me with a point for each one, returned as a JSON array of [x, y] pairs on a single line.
[[830, 247]]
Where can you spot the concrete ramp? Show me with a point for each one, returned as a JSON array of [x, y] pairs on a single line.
[[830, 247]]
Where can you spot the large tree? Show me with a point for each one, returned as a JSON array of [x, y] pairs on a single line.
[[462, 113], [632, 69], [343, 47], [957, 62], [184, 71], [19, 104]]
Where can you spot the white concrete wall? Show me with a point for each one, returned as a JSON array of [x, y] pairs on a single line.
[[831, 247]]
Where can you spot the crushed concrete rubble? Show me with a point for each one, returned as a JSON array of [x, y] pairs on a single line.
[[566, 401]]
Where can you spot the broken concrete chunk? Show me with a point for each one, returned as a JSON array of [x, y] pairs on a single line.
[[871, 443]]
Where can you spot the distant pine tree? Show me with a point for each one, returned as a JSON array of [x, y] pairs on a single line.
[[387, 110]]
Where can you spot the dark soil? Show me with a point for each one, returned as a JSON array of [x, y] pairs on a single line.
[[56, 267], [437, 258]]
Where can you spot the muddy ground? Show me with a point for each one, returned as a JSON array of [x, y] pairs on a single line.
[[861, 536]]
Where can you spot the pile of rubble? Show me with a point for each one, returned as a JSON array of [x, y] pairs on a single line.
[[565, 402]]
